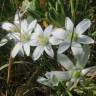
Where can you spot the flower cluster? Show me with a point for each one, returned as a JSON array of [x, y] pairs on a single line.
[[27, 34]]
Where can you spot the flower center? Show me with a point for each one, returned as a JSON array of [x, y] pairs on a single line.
[[72, 36], [42, 40], [25, 37], [76, 74]]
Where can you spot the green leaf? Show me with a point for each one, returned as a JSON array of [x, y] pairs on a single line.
[[94, 33], [34, 5], [16, 62], [69, 93]]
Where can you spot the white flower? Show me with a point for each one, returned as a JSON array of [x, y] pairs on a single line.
[[53, 78], [73, 73], [71, 36], [81, 55], [23, 38], [41, 40], [21, 33], [12, 28]]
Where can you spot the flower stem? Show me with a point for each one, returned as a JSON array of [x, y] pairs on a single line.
[[72, 9], [9, 75], [73, 16]]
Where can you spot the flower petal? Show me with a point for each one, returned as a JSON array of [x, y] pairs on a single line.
[[3, 41], [49, 50], [9, 36], [65, 61], [59, 74], [31, 26], [26, 49], [48, 30], [21, 52], [81, 53], [55, 77], [84, 58], [87, 70], [63, 47], [24, 26], [85, 39], [38, 30], [16, 49], [44, 81], [16, 18], [34, 36], [83, 26], [33, 43], [69, 24], [7, 26], [59, 33], [37, 52], [77, 51], [14, 36], [55, 41]]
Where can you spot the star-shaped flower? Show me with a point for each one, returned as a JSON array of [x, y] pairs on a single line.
[[41, 40], [71, 36], [23, 38], [21, 33]]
